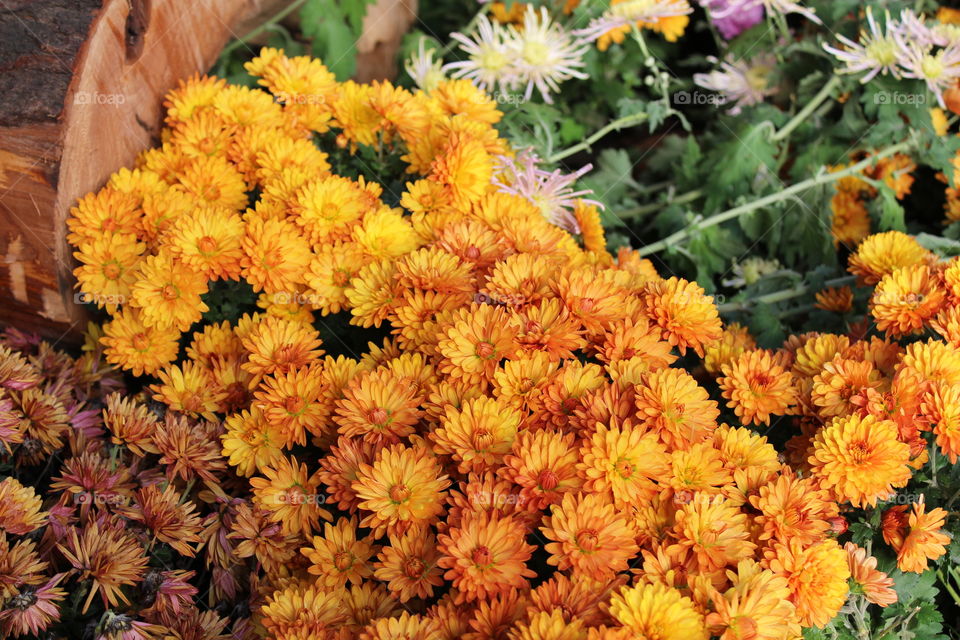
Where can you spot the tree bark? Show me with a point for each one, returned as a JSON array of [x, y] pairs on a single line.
[[81, 86]]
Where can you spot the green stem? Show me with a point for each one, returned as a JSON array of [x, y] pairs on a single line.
[[626, 121], [730, 214], [808, 109], [644, 209], [277, 17], [780, 296]]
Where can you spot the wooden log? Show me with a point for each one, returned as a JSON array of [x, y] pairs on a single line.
[[384, 26], [81, 83]]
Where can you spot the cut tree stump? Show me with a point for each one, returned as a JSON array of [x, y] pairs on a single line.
[[81, 86]]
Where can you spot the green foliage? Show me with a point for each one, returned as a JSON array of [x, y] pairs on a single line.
[[333, 27]]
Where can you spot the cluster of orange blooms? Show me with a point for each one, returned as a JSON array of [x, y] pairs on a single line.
[[519, 458]]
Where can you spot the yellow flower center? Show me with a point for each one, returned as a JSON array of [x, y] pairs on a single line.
[[883, 51], [757, 77], [342, 560], [932, 66], [624, 468], [492, 60]]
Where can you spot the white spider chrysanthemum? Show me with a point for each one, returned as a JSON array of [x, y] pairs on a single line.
[[750, 271], [551, 191], [875, 53], [490, 60], [423, 69], [739, 82], [771, 6], [940, 69], [914, 30], [632, 12], [546, 54]]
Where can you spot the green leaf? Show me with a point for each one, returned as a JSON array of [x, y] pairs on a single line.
[[766, 327], [891, 211], [333, 28], [945, 247]]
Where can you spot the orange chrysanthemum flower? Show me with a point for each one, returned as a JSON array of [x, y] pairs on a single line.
[[923, 539], [544, 464], [906, 299], [277, 346], [794, 509], [378, 406], [250, 442], [757, 388], [108, 556], [755, 606], [672, 404], [476, 341], [485, 555], [715, 530], [860, 459], [167, 293], [589, 536], [842, 386], [875, 585], [20, 512], [291, 402], [655, 610], [836, 299], [817, 576], [403, 486], [882, 253], [942, 407], [290, 496], [478, 434], [734, 341], [409, 565], [275, 255], [687, 317], [303, 611], [339, 556]]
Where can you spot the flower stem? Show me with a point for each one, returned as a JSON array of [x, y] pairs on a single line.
[[277, 17], [451, 43], [780, 296], [644, 209], [808, 109], [620, 123], [819, 179]]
